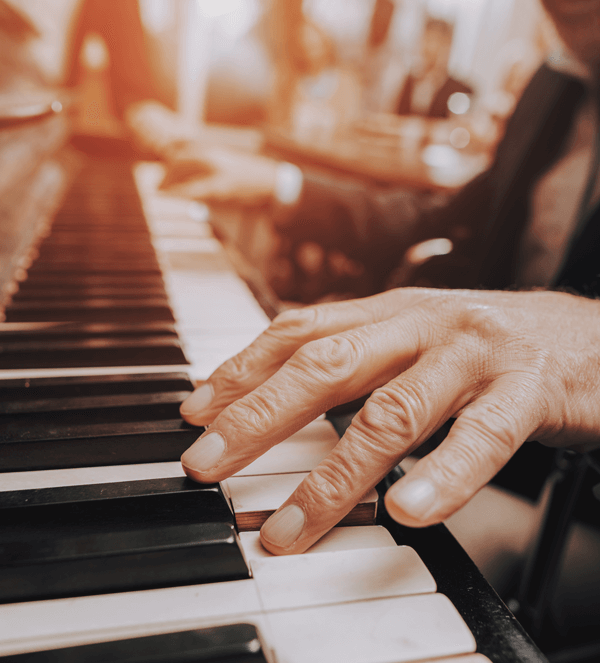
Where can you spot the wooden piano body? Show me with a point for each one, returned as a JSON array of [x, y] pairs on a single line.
[[92, 371]]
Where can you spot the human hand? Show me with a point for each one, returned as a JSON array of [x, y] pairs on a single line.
[[509, 366], [220, 175]]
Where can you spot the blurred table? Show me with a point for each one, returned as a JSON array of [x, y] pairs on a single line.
[[409, 152]]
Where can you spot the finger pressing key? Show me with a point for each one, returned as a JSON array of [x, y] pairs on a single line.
[[395, 419], [320, 375]]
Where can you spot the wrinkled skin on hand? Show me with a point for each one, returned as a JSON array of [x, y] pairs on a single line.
[[510, 366]]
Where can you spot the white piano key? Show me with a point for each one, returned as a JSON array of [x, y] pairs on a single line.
[[301, 452], [299, 581], [213, 300], [148, 177], [255, 498], [339, 538], [263, 493], [81, 476], [395, 630], [467, 658], [179, 228], [63, 622], [200, 245], [160, 206], [206, 352]]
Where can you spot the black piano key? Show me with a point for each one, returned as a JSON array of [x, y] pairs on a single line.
[[86, 222], [71, 302], [92, 353], [67, 244], [77, 292], [68, 268], [96, 385], [122, 536], [74, 422], [88, 445], [49, 281], [89, 402], [119, 310], [124, 561], [63, 345], [100, 237], [116, 272], [119, 504], [232, 643], [115, 249], [177, 533]]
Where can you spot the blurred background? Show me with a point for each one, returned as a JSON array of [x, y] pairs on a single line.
[[410, 96], [403, 95], [314, 66]]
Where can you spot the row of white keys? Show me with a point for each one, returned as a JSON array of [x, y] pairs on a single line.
[[346, 620], [406, 628], [217, 316]]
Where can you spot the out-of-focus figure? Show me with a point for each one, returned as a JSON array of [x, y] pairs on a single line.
[[428, 87], [97, 51], [312, 92]]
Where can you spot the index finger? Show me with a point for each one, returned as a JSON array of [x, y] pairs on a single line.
[[320, 375], [287, 334]]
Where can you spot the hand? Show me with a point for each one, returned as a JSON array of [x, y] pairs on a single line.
[[509, 366], [220, 175]]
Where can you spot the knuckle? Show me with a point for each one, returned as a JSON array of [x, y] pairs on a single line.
[[494, 430], [331, 485], [253, 415], [486, 322], [333, 358], [234, 374], [395, 408], [540, 362], [468, 467], [296, 323]]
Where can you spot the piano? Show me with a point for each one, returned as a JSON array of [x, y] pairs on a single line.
[[119, 298]]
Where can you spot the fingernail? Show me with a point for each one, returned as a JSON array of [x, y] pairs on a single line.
[[205, 453], [416, 497], [284, 527], [198, 400]]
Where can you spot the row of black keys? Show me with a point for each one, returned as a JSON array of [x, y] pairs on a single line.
[[94, 294], [51, 423], [125, 536], [94, 297], [113, 537]]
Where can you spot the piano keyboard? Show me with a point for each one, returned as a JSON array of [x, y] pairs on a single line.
[[107, 552]]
